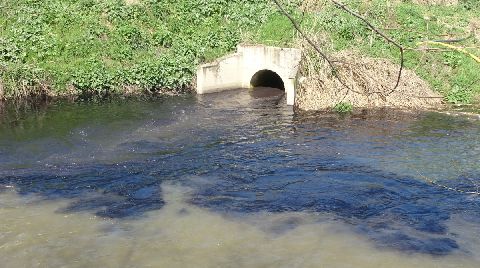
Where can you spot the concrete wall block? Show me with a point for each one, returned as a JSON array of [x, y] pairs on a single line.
[[236, 70]]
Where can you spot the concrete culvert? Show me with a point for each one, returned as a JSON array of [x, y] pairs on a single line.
[[267, 78], [253, 65]]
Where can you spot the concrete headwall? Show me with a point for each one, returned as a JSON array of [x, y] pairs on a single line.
[[236, 70]]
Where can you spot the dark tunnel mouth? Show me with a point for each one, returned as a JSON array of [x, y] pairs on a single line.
[[267, 78]]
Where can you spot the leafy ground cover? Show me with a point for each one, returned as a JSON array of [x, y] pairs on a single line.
[[115, 46], [103, 47]]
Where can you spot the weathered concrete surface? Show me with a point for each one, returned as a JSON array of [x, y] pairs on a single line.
[[237, 70]]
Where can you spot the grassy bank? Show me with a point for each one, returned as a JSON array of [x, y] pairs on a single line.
[[71, 47], [102, 47], [451, 72], [450, 68]]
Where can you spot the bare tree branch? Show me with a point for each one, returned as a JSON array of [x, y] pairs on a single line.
[[455, 40], [319, 51], [390, 40], [330, 62]]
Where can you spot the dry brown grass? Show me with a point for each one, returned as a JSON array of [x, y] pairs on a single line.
[[436, 2], [317, 5], [475, 28], [132, 2], [370, 83]]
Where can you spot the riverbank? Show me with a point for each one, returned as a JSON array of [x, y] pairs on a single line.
[[100, 48], [440, 42], [89, 47]]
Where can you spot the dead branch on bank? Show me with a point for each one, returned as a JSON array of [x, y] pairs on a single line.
[[390, 40], [319, 51], [321, 91], [331, 62]]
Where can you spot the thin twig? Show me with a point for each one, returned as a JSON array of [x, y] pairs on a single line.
[[390, 40], [457, 40], [459, 49], [436, 49], [322, 54], [319, 51]]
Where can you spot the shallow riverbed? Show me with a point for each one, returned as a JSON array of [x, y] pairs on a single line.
[[237, 180]]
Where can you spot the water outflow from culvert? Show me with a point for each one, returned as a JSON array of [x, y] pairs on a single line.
[[229, 179], [267, 78], [267, 84], [252, 66]]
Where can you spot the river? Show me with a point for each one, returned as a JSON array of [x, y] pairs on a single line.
[[235, 180]]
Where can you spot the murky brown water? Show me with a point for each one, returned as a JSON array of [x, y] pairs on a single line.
[[230, 180], [34, 234]]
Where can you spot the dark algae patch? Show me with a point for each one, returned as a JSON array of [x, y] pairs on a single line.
[[397, 212]]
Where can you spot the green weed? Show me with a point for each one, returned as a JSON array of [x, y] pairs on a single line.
[[343, 108]]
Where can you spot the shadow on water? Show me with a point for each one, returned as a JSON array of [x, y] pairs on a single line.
[[244, 156]]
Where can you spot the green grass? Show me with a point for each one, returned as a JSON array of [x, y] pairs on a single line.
[[454, 74], [106, 46], [102, 47], [343, 108], [276, 31]]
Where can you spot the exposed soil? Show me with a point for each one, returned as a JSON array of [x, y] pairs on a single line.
[[370, 84]]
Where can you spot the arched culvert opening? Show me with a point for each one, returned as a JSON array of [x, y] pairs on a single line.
[[267, 78]]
